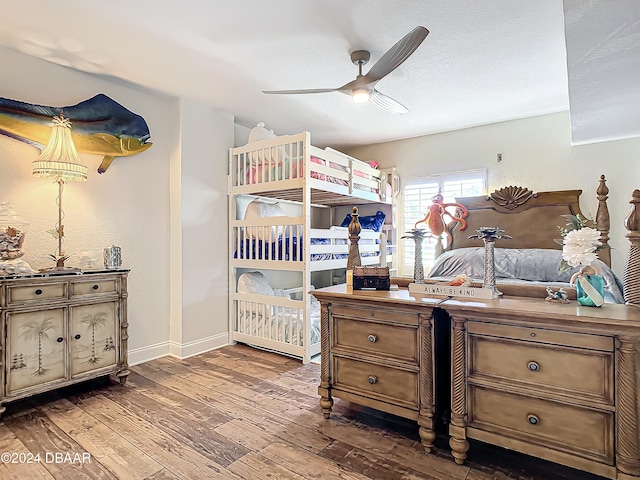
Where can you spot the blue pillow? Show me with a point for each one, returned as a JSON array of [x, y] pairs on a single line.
[[369, 222]]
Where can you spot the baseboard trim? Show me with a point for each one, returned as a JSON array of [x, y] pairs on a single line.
[[196, 347], [181, 351], [146, 354]]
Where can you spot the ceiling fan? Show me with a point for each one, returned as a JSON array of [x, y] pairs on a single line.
[[362, 89]]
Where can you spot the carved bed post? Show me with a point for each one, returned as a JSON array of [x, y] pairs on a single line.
[[603, 223], [354, 235], [632, 266]]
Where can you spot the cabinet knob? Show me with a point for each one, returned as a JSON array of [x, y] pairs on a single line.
[[533, 419], [77, 336], [371, 314], [59, 339], [39, 291], [372, 379], [96, 287], [373, 338], [533, 366]]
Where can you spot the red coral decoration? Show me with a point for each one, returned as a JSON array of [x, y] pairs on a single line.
[[435, 216]]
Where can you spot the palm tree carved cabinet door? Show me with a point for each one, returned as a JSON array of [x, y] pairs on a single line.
[[36, 350], [60, 329], [93, 337]]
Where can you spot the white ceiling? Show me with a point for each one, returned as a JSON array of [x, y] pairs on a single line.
[[482, 62]]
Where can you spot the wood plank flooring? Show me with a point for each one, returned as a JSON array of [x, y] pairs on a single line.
[[233, 413]]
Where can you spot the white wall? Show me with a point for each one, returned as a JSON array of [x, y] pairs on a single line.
[[536, 153], [206, 137], [137, 204]]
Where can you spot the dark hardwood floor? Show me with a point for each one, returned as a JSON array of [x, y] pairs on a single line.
[[233, 413]]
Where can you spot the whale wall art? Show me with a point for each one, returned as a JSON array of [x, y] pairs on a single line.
[[99, 126]]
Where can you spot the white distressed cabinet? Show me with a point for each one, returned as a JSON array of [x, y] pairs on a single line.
[[61, 329]]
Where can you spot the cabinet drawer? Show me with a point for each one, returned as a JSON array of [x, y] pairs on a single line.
[[577, 430], [565, 370], [36, 292], [540, 335], [93, 288], [378, 314], [398, 341], [392, 385]]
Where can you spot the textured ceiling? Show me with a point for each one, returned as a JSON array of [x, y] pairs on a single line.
[[603, 45], [482, 62]]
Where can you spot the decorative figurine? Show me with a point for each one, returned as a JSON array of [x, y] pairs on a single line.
[[435, 216], [417, 234], [559, 296], [489, 235]]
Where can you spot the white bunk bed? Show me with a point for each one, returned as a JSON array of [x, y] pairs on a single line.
[[289, 169]]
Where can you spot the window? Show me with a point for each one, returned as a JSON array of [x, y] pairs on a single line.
[[417, 195]]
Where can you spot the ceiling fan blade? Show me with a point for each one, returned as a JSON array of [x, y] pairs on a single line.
[[387, 103], [397, 54], [313, 90]]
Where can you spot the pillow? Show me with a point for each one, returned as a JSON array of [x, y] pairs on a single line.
[[254, 282], [259, 209], [259, 132], [531, 264], [369, 222]]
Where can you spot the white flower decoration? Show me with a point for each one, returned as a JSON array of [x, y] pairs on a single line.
[[579, 246]]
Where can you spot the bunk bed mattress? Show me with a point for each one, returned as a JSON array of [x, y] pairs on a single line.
[[289, 249], [283, 324], [259, 172]]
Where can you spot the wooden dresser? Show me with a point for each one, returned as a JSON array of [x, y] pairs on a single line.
[[555, 381], [61, 329], [379, 357]]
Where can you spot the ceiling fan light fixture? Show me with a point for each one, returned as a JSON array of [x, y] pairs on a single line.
[[360, 96]]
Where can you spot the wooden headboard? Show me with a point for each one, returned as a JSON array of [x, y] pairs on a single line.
[[532, 219]]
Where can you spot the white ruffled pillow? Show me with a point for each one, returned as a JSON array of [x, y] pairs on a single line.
[[254, 282], [260, 209]]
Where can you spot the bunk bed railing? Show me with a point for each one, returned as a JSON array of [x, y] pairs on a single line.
[[267, 164], [282, 240]]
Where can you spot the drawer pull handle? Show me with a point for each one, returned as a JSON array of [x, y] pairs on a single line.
[[533, 366], [533, 334], [372, 379], [533, 419], [77, 336], [38, 292], [373, 338], [95, 287], [59, 339], [372, 314]]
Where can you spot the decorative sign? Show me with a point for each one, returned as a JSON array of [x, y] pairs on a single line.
[[449, 291]]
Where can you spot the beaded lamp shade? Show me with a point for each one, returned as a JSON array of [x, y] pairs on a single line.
[[59, 159]]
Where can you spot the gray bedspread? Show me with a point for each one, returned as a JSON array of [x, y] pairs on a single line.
[[514, 265]]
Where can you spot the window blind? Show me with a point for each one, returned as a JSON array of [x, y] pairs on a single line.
[[417, 197]]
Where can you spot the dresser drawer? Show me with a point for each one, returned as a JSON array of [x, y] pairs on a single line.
[[581, 431], [36, 293], [587, 374], [541, 335], [377, 314], [93, 288], [388, 384], [397, 341]]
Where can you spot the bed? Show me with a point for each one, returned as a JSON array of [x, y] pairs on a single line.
[[287, 178], [529, 262]]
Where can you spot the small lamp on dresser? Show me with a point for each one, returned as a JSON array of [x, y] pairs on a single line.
[[59, 160]]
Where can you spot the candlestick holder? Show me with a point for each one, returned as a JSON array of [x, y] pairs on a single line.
[[489, 235]]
